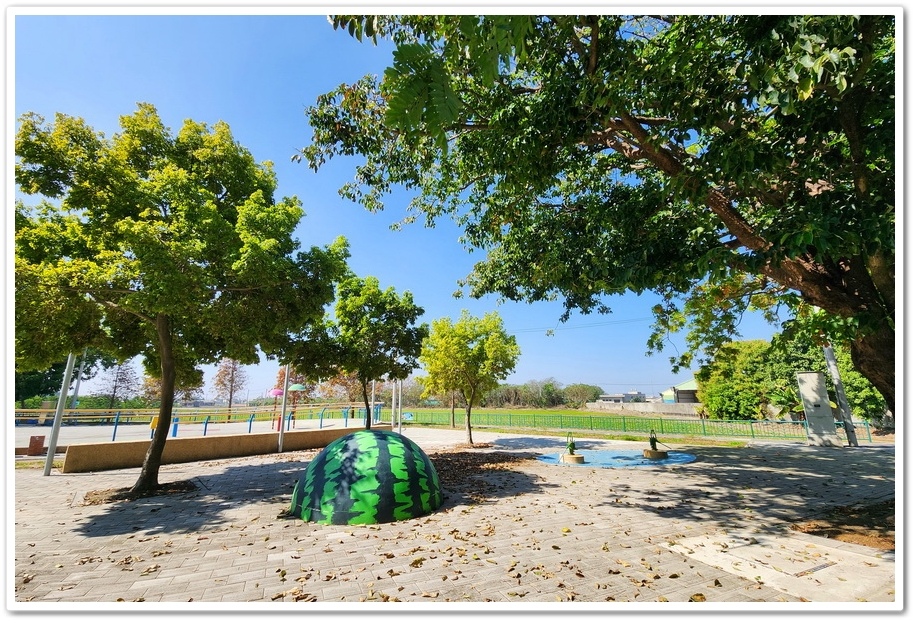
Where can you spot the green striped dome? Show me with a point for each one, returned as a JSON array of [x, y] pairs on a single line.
[[367, 477]]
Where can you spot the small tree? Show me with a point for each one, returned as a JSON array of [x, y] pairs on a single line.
[[470, 356], [185, 394], [343, 386], [119, 383], [376, 333], [577, 394], [230, 379]]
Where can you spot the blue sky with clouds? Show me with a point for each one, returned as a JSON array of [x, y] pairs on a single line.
[[258, 73]]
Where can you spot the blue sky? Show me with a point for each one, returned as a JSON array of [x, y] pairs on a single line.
[[258, 73]]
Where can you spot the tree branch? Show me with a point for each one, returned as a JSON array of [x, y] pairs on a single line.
[[592, 46]]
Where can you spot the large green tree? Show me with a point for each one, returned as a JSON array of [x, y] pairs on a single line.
[[376, 333], [748, 379], [721, 161], [167, 246], [733, 385], [470, 356]]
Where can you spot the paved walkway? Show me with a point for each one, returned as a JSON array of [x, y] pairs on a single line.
[[568, 537]]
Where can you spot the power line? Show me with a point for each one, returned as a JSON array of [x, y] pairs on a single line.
[[584, 326]]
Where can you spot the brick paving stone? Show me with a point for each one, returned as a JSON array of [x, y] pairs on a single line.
[[544, 533]]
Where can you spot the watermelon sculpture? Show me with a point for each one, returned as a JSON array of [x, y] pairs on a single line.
[[367, 477]]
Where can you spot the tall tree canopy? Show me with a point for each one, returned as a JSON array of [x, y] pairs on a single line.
[[376, 333], [167, 246], [470, 356], [724, 162]]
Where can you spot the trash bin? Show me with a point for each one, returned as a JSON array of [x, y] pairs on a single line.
[[36, 445]]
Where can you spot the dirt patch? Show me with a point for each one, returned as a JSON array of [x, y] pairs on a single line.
[[884, 435], [870, 525], [106, 496]]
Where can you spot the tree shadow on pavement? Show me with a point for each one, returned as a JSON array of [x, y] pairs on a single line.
[[466, 477], [765, 487]]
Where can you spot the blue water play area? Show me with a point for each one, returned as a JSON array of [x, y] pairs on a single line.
[[619, 458]]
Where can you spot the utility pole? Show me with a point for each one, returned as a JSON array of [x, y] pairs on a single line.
[[843, 404], [59, 414]]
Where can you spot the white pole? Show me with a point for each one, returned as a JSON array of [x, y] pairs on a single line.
[[59, 414], [400, 384], [372, 404], [79, 375], [283, 408], [393, 402], [845, 412]]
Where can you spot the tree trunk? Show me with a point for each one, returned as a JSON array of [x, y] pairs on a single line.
[[149, 472], [873, 355], [366, 402], [467, 422], [114, 391], [453, 409], [231, 392], [849, 287]]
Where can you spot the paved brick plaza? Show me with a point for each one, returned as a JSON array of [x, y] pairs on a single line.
[[713, 530]]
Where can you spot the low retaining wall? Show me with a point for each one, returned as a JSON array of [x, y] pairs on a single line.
[[93, 457], [652, 408]]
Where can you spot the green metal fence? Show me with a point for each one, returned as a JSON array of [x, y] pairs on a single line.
[[742, 429], [562, 423]]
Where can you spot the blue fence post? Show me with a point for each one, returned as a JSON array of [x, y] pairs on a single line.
[[174, 426], [250, 421], [321, 417], [346, 412], [206, 423], [114, 432]]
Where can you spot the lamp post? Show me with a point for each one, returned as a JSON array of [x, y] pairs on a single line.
[[275, 392], [296, 387]]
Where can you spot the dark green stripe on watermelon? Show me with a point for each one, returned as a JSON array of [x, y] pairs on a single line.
[[367, 477]]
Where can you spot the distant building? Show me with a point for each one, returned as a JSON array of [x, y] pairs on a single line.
[[633, 396], [685, 392]]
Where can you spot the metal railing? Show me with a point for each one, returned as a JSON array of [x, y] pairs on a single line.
[[599, 423], [196, 417], [694, 427]]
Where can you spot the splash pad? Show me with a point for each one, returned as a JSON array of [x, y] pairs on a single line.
[[618, 459]]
